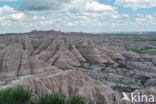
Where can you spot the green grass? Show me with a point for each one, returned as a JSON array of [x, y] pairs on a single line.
[[144, 50], [18, 95], [53, 98], [121, 65], [107, 64], [77, 100], [24, 95], [4, 98]]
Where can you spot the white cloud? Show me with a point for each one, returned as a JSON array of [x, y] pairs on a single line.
[[144, 19], [120, 16], [6, 9], [10, 16], [50, 22], [93, 9], [76, 14], [70, 24], [18, 16], [97, 7], [39, 18], [136, 4]]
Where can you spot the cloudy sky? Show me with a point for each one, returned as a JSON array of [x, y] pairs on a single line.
[[78, 15]]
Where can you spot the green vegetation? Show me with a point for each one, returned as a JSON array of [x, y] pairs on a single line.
[[18, 95], [107, 64], [145, 40], [77, 100], [52, 98], [24, 95], [121, 65], [144, 50]]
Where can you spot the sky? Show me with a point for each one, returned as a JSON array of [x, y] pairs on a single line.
[[77, 15]]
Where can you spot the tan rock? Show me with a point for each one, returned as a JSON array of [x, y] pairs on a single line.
[[70, 82]]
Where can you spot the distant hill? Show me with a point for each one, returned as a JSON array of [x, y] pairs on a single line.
[[130, 33], [54, 32]]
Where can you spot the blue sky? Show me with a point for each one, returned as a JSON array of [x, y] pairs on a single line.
[[78, 15]]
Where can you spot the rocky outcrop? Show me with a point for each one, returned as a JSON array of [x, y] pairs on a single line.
[[14, 62], [60, 52], [63, 53], [70, 82], [90, 52], [43, 63], [131, 55]]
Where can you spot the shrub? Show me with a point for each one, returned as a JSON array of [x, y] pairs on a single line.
[[77, 100], [18, 95], [21, 95], [53, 98], [121, 65], [107, 64], [5, 96]]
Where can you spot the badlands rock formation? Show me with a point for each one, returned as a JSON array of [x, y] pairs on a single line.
[[15, 62], [44, 62], [62, 52], [70, 83]]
